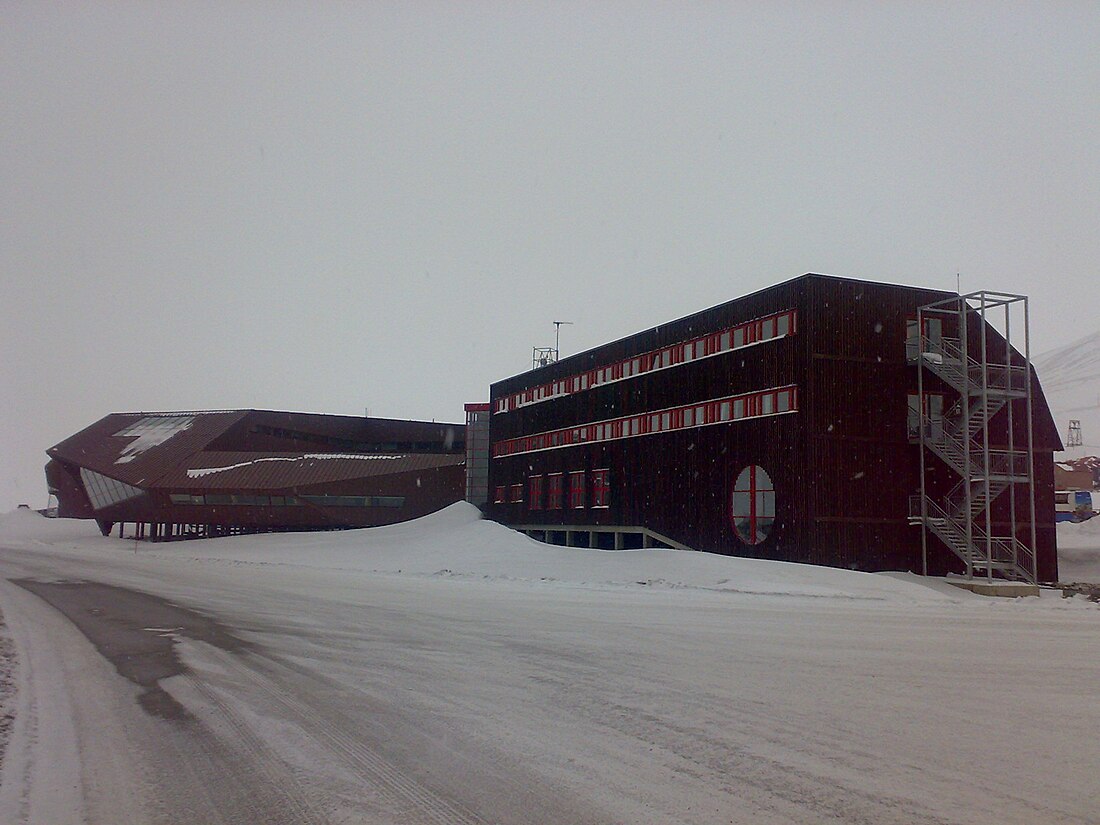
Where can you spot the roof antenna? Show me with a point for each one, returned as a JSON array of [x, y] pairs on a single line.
[[544, 356], [557, 337]]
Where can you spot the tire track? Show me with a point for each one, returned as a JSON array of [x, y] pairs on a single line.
[[415, 802], [279, 778]]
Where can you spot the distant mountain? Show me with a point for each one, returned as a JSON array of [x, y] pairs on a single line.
[[1070, 377]]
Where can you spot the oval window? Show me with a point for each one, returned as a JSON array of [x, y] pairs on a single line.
[[753, 505]]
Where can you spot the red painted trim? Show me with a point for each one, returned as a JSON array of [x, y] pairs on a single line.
[[751, 333], [647, 423]]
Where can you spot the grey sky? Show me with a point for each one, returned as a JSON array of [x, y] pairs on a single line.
[[330, 207]]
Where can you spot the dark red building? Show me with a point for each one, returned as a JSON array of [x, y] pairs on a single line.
[[786, 425], [215, 473]]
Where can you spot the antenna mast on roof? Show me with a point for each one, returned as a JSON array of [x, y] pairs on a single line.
[[544, 356], [557, 337]]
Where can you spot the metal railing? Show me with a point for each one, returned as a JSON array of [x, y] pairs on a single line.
[[1005, 554], [962, 519]]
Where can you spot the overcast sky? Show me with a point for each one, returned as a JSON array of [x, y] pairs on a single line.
[[335, 207]]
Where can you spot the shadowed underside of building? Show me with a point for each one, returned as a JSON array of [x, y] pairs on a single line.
[[821, 420], [189, 474]]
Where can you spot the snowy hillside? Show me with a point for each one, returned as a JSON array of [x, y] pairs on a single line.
[[1070, 377]]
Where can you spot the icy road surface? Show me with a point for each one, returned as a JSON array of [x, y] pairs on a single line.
[[450, 671]]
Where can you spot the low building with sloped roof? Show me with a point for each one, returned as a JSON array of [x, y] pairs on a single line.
[[208, 473]]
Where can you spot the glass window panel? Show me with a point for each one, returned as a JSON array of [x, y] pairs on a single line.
[[739, 408], [783, 324], [752, 505], [763, 528], [765, 503], [741, 502], [769, 404], [103, 491]]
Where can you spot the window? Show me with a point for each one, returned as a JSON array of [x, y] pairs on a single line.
[[534, 493], [576, 490], [103, 491], [752, 505], [554, 491], [601, 488], [517, 493], [499, 497], [933, 416], [185, 498], [931, 339], [783, 324]]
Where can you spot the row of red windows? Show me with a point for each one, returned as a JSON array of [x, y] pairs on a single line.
[[777, 325], [553, 486], [736, 407]]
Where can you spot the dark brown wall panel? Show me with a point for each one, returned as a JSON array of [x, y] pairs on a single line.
[[842, 466]]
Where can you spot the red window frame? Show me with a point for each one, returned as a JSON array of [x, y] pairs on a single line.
[[601, 488], [501, 495], [576, 490], [517, 493], [752, 498], [534, 493], [555, 486]]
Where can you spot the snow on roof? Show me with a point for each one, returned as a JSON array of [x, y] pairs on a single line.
[[205, 471], [150, 432]]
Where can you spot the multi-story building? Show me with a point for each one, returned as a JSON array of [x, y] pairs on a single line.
[[823, 420]]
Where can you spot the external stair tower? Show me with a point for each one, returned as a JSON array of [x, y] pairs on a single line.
[[960, 438]]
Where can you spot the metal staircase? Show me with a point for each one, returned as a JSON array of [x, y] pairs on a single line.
[[962, 519]]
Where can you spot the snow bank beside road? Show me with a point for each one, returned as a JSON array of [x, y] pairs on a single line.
[[456, 542], [29, 525], [1079, 551]]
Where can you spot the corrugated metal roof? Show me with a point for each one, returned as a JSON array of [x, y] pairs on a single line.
[[143, 455], [281, 471], [172, 450]]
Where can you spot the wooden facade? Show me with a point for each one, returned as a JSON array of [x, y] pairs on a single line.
[[820, 367]]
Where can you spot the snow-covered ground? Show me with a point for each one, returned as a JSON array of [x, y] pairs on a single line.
[[451, 670], [1079, 551], [1070, 377]]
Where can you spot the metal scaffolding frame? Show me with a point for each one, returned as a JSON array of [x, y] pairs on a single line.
[[963, 518]]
